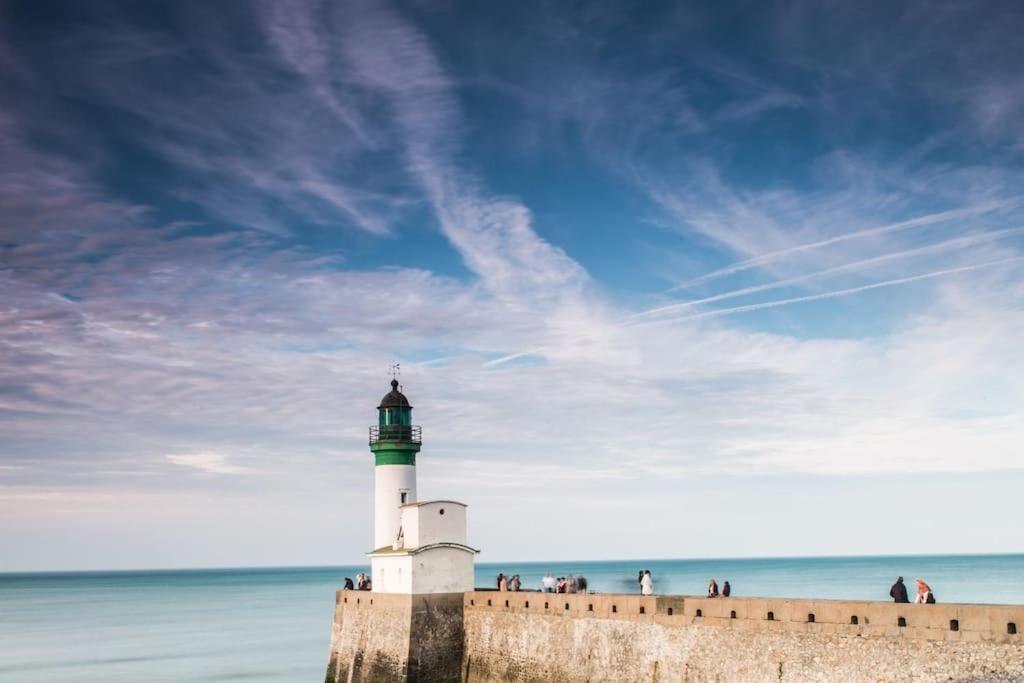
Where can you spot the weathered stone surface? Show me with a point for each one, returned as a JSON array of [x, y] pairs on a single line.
[[395, 637], [609, 638], [549, 637]]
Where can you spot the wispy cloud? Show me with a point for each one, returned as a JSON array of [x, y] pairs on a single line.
[[210, 463]]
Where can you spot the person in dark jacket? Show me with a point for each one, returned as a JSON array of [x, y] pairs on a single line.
[[898, 592], [726, 590], [349, 586]]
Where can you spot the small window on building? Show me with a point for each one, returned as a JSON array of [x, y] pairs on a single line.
[[442, 511], [405, 497]]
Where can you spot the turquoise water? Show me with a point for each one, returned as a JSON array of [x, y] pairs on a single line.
[[274, 624]]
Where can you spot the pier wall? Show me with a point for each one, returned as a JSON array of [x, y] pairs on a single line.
[[396, 637], [528, 636], [551, 637]]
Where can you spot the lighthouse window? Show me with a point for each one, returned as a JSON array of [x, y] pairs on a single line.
[[405, 497], [442, 511]]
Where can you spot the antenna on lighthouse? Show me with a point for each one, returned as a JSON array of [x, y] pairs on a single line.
[[396, 371]]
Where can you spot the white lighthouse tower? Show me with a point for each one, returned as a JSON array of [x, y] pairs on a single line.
[[418, 547]]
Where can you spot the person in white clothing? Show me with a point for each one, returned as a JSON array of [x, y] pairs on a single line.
[[548, 582], [647, 583]]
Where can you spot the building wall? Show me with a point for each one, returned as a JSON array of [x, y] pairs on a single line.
[[393, 637], [442, 521], [442, 570], [392, 573], [536, 637]]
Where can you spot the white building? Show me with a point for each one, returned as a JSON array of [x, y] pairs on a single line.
[[420, 546]]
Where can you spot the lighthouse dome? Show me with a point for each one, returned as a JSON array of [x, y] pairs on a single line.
[[394, 398]]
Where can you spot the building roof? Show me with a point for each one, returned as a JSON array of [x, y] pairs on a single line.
[[389, 550], [394, 398], [432, 502]]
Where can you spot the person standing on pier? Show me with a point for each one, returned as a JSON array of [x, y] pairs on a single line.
[[924, 594], [898, 592], [726, 589], [712, 589], [646, 583]]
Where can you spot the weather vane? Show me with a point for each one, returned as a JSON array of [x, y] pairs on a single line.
[[396, 370]]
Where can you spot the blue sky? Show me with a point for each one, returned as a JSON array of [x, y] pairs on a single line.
[[713, 279]]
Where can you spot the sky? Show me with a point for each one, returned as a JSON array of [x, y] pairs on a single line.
[[708, 279]]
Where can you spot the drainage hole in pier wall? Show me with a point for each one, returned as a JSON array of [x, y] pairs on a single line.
[[732, 614], [901, 622], [506, 603], [566, 605], [545, 605], [488, 603], [371, 601], [853, 620], [526, 604], [346, 599], [670, 611], [643, 610], [700, 613], [590, 608], [614, 609], [472, 603], [1011, 628], [954, 625], [771, 616], [810, 618]]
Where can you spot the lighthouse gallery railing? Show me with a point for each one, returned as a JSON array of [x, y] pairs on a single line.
[[395, 433]]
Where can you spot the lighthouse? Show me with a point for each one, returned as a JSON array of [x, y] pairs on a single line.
[[419, 547], [395, 441]]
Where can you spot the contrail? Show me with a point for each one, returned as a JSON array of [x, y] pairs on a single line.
[[512, 356], [928, 219], [854, 265], [836, 293]]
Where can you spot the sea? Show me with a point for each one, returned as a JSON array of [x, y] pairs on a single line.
[[274, 624]]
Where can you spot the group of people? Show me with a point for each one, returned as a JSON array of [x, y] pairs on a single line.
[[508, 583], [563, 584], [713, 591], [646, 582], [898, 593], [362, 583]]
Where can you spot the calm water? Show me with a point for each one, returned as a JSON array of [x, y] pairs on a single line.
[[274, 624]]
